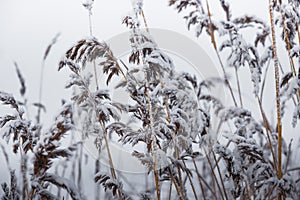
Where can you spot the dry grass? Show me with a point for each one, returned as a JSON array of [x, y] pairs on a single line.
[[254, 162]]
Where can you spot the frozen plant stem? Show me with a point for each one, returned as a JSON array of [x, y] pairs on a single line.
[[238, 85], [97, 169], [80, 167], [235, 67], [42, 77], [97, 162], [168, 118], [176, 186], [279, 172], [200, 179], [287, 41], [90, 22], [268, 131], [213, 41], [145, 22], [288, 45], [219, 171], [214, 175], [191, 182], [264, 81], [153, 144], [170, 190], [112, 168], [91, 34], [24, 172], [40, 91], [298, 31]]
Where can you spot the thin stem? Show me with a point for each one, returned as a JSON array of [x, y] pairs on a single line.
[[293, 169], [179, 176], [279, 127], [217, 52], [191, 182], [94, 63], [40, 91], [264, 81], [90, 23], [97, 169], [202, 190], [145, 22], [200, 178], [214, 175], [80, 167], [112, 168], [153, 144], [95, 74], [165, 99], [238, 85], [174, 181], [235, 67], [288, 157], [23, 171], [168, 118], [288, 44], [287, 41], [298, 31], [268, 132], [220, 175], [153, 138], [170, 191]]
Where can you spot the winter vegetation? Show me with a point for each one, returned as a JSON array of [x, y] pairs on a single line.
[[191, 143]]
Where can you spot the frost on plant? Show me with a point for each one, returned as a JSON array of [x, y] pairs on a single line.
[[191, 143]]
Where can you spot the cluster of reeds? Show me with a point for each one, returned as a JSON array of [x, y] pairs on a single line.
[[170, 114]]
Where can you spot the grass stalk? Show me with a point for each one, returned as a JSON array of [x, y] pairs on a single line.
[[279, 127], [288, 44], [220, 175], [23, 172], [213, 174], [153, 138], [170, 191], [79, 175], [287, 40], [201, 179], [145, 21], [264, 82], [176, 186], [298, 31], [238, 85], [112, 168], [268, 133], [97, 169], [191, 182], [40, 92], [218, 54], [153, 145]]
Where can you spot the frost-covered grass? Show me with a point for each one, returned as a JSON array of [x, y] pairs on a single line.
[[168, 119]]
